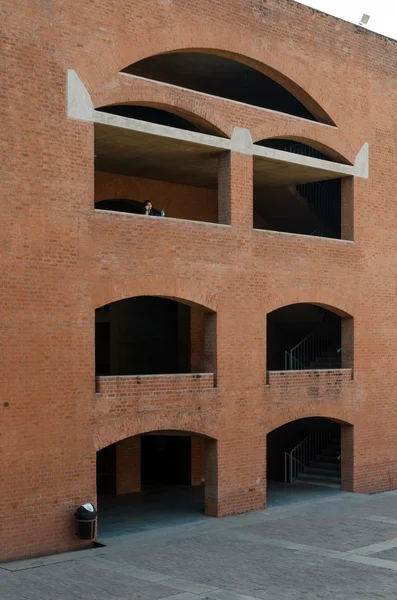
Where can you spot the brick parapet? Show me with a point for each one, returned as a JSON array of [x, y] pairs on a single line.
[[117, 395]]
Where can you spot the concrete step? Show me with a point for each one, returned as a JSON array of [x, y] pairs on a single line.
[[324, 467], [323, 472], [325, 366], [320, 477], [330, 452], [328, 460], [314, 481]]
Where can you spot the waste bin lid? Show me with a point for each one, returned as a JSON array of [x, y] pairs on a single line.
[[86, 511]]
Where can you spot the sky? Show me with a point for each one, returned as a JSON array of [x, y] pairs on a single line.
[[383, 13]]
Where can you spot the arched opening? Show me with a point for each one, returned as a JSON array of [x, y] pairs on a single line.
[[162, 116], [155, 479], [303, 205], [306, 458], [308, 337], [148, 335], [219, 76]]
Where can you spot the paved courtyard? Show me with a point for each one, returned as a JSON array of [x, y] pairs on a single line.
[[339, 546]]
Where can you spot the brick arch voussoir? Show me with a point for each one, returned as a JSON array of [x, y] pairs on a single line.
[[234, 42], [141, 94], [302, 410], [339, 303], [163, 286], [126, 427]]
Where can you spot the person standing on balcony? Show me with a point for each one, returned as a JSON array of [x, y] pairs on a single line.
[[148, 208]]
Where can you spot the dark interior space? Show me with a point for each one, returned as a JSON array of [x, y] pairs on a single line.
[[142, 336], [294, 147], [126, 205], [285, 438], [165, 460], [221, 77], [106, 470], [310, 208], [303, 336], [152, 115]]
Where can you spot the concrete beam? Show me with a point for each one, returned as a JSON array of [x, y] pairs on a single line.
[[80, 107]]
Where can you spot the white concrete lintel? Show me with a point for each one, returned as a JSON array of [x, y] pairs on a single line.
[[80, 107], [160, 130], [304, 161]]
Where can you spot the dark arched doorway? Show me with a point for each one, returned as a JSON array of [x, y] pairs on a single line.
[[155, 479], [308, 458]]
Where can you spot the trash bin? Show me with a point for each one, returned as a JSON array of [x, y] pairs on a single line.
[[86, 518]]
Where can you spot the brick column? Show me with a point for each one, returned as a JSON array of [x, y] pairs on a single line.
[[235, 189], [235, 475], [197, 340], [128, 465], [347, 457], [197, 460], [347, 342], [210, 343], [347, 208]]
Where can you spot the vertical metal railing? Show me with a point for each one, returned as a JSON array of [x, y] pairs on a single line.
[[304, 453], [307, 351]]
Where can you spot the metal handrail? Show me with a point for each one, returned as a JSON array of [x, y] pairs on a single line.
[[301, 456], [307, 350]]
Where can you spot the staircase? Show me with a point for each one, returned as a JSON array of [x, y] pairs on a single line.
[[316, 460], [325, 468], [331, 359], [315, 351]]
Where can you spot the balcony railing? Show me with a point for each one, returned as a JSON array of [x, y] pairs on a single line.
[[136, 390]]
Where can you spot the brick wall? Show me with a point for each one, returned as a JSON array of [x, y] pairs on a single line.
[[60, 260], [178, 201]]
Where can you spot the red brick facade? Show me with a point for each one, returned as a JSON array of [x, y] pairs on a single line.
[[61, 259]]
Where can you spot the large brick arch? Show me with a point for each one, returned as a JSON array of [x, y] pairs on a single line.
[[126, 427], [147, 93], [173, 288], [295, 76], [340, 303]]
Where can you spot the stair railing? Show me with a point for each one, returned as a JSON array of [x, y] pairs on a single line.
[[301, 456], [308, 350]]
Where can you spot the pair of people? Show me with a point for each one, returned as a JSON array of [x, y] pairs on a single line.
[[150, 211]]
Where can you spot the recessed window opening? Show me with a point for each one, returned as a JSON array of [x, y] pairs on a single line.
[[309, 208], [304, 336], [148, 336], [220, 76]]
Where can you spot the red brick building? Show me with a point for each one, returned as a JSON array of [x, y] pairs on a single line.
[[264, 298]]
